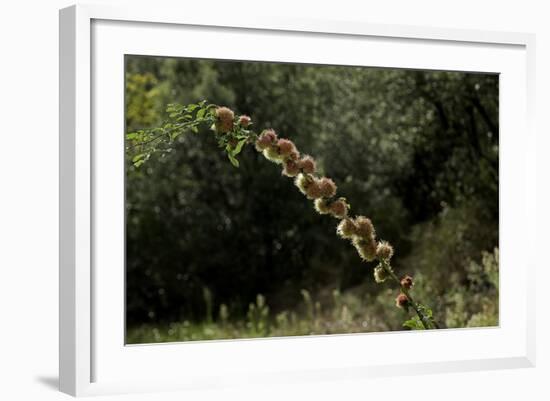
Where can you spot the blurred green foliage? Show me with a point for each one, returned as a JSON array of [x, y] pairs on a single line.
[[474, 305], [417, 151]]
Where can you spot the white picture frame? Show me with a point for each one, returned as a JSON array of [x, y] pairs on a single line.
[[93, 357]]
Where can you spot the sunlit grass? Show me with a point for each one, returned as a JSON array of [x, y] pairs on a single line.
[[312, 319]]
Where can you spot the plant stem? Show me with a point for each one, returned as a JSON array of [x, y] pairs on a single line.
[[423, 319], [180, 126]]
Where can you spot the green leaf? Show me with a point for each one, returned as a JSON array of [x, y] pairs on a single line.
[[173, 135], [232, 159], [414, 323], [238, 148], [185, 117], [425, 310], [131, 135], [200, 113], [138, 157], [171, 107]]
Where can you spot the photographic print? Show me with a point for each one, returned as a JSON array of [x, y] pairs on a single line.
[[269, 199]]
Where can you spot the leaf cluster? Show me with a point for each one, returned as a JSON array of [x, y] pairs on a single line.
[[414, 323], [142, 144]]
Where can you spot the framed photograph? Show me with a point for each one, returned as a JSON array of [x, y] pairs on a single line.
[[272, 201]]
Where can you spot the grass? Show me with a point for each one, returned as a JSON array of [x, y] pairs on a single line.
[[343, 315], [473, 304]]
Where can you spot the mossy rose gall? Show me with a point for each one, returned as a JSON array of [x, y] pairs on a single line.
[[266, 139], [366, 248], [322, 206], [244, 121], [290, 168], [286, 147], [407, 282], [365, 228], [346, 228], [224, 120], [384, 250], [401, 301], [307, 165], [339, 208]]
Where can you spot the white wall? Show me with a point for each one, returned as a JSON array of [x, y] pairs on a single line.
[[28, 195]]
